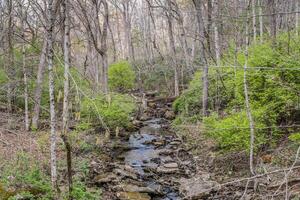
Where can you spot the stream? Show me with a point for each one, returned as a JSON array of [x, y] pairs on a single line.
[[146, 155]]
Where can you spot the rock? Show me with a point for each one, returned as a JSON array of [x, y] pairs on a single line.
[[126, 174], [135, 188], [129, 169], [197, 188], [105, 178], [171, 165], [165, 152], [159, 143], [145, 117], [169, 114], [167, 159], [137, 123], [173, 143], [156, 160], [165, 170], [133, 196], [152, 105]]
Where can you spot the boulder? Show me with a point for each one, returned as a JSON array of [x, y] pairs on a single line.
[[165, 170], [171, 165], [135, 188], [197, 187], [169, 114], [133, 196], [105, 178], [145, 117], [126, 174]]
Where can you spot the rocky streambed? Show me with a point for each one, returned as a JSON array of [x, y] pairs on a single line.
[[150, 164]]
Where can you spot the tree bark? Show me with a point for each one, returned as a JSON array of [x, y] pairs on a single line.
[[50, 41], [39, 87], [297, 17], [172, 48], [216, 31], [254, 19], [11, 69], [261, 26], [197, 4], [104, 48], [247, 102], [273, 22], [26, 112], [66, 12]]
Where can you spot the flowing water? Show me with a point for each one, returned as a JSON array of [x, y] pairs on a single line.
[[143, 154]]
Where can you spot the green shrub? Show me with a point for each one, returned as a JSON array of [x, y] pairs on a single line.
[[273, 95], [26, 173], [81, 192], [114, 110], [121, 76], [232, 132]]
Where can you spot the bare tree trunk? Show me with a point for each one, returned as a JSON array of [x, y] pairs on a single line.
[[39, 86], [216, 31], [172, 48], [115, 57], [11, 71], [104, 49], [261, 26], [254, 20], [273, 22], [247, 103], [127, 27], [66, 6], [197, 4], [27, 125], [50, 41], [209, 24], [297, 17]]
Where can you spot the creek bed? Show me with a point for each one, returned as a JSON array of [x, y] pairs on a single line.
[[145, 147]]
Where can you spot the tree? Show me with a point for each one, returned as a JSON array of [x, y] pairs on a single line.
[[247, 101], [172, 46], [203, 61], [50, 41], [66, 12]]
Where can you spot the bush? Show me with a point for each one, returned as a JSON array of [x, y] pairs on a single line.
[[114, 111], [121, 76], [273, 96], [232, 132], [25, 173]]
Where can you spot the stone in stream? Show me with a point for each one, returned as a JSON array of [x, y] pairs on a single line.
[[175, 143], [169, 114], [171, 165], [165, 170], [197, 187], [165, 152], [105, 178], [135, 188], [133, 196], [126, 174]]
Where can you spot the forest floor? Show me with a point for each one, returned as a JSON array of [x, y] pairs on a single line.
[[154, 162]]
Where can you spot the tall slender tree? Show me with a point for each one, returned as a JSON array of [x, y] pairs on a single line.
[[203, 60], [50, 41]]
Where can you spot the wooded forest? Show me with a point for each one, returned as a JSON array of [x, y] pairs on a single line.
[[149, 99]]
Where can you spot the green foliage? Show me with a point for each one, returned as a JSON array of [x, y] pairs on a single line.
[[121, 76], [232, 132], [81, 192], [273, 93], [113, 110], [190, 101], [27, 174], [295, 137]]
